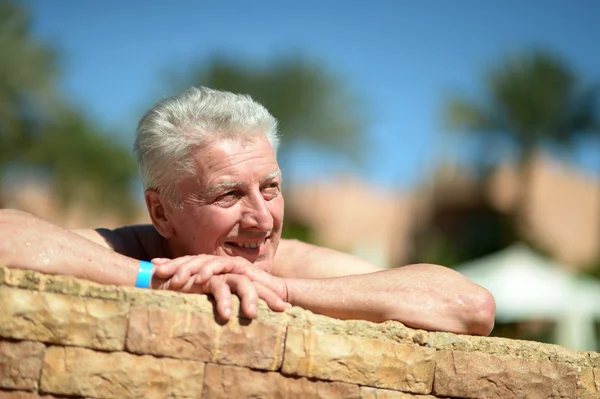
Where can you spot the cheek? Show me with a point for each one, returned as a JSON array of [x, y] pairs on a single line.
[[218, 222], [277, 206], [200, 225]]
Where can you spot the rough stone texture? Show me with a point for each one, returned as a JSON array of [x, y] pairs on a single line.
[[196, 336], [589, 384], [311, 353], [505, 347], [471, 375], [31, 395], [20, 364], [26, 279], [322, 357], [237, 382], [378, 393], [62, 319], [83, 372]]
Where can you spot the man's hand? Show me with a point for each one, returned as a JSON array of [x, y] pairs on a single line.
[[222, 276], [181, 269]]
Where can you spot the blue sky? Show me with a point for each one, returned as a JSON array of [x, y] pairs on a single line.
[[401, 58]]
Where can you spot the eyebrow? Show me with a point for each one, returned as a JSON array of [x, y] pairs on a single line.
[[227, 186], [271, 176]]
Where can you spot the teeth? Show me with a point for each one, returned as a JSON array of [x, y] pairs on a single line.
[[250, 244]]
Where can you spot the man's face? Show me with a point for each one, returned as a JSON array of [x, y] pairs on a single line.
[[233, 206]]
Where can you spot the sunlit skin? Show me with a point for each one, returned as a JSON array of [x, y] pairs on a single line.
[[223, 239], [234, 199], [231, 207]]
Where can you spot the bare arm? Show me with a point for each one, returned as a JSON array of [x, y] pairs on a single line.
[[339, 285], [421, 296], [296, 259], [27, 242], [111, 257]]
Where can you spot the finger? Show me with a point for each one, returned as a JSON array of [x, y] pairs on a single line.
[[244, 289], [210, 269], [221, 265], [222, 294], [167, 269], [274, 301], [158, 261], [187, 269]]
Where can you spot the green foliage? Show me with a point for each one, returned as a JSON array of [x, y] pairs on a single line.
[[532, 98], [86, 164], [38, 128], [27, 73], [294, 228], [594, 269], [311, 105], [458, 235]]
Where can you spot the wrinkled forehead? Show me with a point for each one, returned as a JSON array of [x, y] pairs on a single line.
[[248, 157]]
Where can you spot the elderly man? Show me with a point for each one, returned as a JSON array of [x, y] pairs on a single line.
[[213, 193]]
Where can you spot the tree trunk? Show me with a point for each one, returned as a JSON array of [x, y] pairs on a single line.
[[521, 209]]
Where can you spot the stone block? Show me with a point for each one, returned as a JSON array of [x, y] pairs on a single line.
[[20, 364], [364, 361], [197, 336], [588, 386], [27, 279], [62, 319], [378, 393], [475, 375], [31, 395], [224, 382], [83, 372]]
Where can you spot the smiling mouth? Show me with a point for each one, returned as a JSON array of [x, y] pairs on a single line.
[[247, 245]]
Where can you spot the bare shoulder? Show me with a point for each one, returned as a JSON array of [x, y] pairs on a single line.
[[297, 259], [137, 241]]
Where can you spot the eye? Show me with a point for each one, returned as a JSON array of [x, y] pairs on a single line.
[[228, 198], [271, 186], [271, 190]]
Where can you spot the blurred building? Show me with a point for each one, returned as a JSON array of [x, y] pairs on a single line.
[[382, 226], [35, 197], [563, 216], [352, 216]]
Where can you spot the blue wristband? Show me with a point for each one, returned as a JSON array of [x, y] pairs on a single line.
[[144, 276]]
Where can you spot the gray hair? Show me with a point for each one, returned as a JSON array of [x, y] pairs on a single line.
[[171, 131]]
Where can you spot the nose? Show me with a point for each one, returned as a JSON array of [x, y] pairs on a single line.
[[256, 214]]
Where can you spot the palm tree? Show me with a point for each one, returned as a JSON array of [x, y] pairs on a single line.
[[532, 99]]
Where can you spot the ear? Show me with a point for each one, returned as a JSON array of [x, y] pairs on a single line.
[[158, 210]]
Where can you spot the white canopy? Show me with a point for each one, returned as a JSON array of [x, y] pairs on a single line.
[[527, 286]]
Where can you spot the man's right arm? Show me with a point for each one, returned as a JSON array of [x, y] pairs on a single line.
[[28, 242], [113, 257]]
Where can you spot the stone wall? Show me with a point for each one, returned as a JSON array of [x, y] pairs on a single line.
[[66, 338]]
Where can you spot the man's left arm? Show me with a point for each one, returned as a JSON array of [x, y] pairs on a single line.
[[339, 285], [423, 296]]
